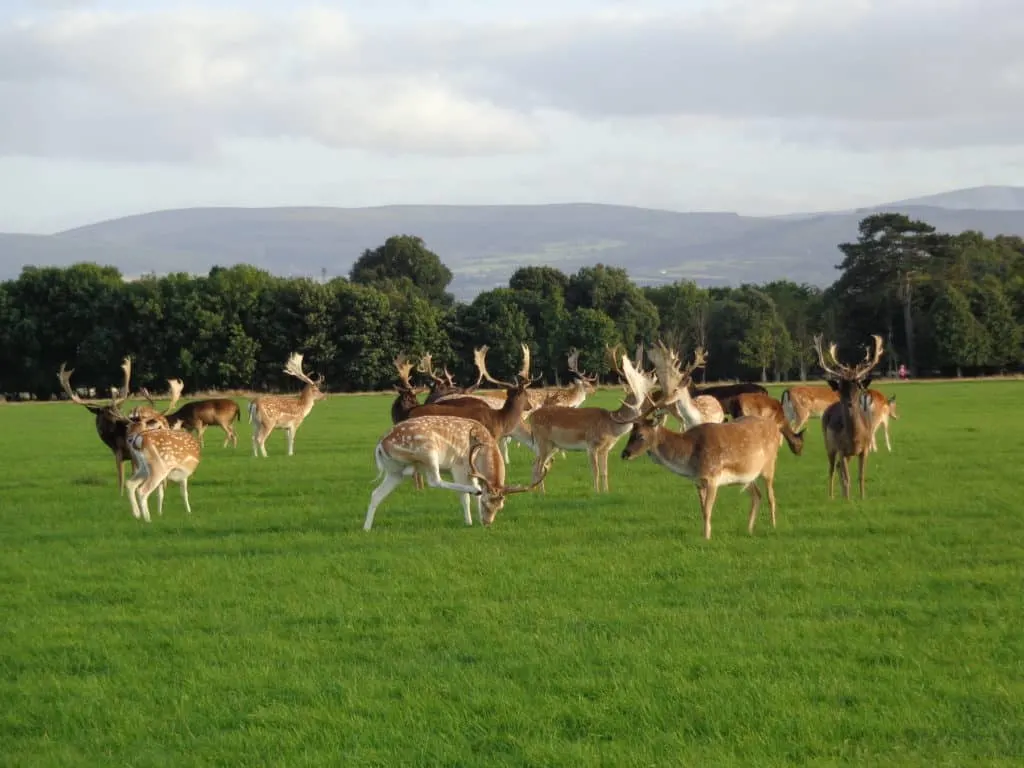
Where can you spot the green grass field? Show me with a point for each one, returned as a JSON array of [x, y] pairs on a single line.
[[269, 629]]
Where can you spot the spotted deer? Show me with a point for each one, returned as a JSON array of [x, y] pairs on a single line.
[[150, 413], [455, 444], [111, 424], [805, 402], [591, 429], [160, 454], [845, 424], [879, 409], [286, 412]]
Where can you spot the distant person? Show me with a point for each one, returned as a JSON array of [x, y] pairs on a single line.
[[903, 371]]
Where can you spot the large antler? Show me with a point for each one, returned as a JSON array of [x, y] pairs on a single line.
[[574, 367], [404, 368], [872, 357], [426, 366], [65, 382], [613, 355], [294, 368], [126, 366], [475, 446], [841, 371]]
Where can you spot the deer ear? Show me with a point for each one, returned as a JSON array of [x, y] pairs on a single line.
[[834, 384]]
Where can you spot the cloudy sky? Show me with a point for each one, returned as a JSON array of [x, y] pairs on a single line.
[[758, 106]]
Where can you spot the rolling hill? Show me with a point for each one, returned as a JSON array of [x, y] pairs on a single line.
[[484, 244]]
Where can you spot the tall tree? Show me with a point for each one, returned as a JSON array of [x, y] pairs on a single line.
[[961, 341], [402, 264]]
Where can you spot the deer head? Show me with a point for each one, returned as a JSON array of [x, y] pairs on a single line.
[[294, 368], [492, 498], [587, 382], [672, 378], [847, 380], [117, 395]]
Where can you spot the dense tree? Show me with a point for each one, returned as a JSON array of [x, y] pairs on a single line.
[[403, 264], [960, 339]]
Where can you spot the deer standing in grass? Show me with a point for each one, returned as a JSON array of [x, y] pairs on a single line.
[[879, 409], [804, 402], [197, 415], [767, 407], [271, 412], [845, 424], [160, 454], [429, 444], [111, 424], [591, 429], [711, 455]]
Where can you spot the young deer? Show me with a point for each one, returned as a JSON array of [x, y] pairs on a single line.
[[160, 454], [430, 444], [880, 409], [594, 430], [767, 407], [111, 424], [271, 412], [200, 414], [845, 424], [804, 402]]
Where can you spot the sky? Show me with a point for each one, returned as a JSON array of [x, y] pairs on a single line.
[[754, 106]]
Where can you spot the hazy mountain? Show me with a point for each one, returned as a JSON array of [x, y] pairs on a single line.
[[484, 244]]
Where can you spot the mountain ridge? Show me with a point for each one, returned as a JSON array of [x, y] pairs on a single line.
[[484, 244]]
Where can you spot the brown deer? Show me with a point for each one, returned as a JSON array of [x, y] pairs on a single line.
[[499, 422], [767, 407], [845, 424], [160, 454], [111, 424], [405, 402], [880, 409], [804, 402], [197, 415], [711, 455], [430, 444], [286, 412], [591, 429]]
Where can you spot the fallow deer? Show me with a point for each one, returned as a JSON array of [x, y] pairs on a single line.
[[845, 424], [458, 445], [591, 429], [197, 415], [712, 455], [804, 402], [880, 409], [406, 401], [675, 387], [160, 454], [442, 383], [111, 424], [767, 407], [150, 413], [721, 392], [499, 422], [271, 412]]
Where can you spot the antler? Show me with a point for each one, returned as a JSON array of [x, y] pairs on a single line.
[[574, 360], [638, 383], [294, 368], [666, 368], [404, 369], [475, 445], [524, 374], [176, 386], [65, 382], [612, 353], [871, 357], [480, 358], [126, 366]]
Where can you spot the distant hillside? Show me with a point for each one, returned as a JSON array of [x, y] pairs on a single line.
[[483, 245]]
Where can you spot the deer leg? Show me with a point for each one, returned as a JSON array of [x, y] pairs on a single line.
[[755, 503], [844, 475], [595, 468], [434, 481], [544, 455], [184, 495], [504, 448], [119, 460], [888, 445], [132, 484], [862, 460], [381, 492], [144, 491], [461, 476], [160, 498], [264, 434], [603, 462], [201, 428], [289, 433], [769, 485], [707, 505], [831, 474]]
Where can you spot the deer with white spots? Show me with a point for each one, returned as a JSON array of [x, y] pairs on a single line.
[[286, 412], [430, 444], [149, 413]]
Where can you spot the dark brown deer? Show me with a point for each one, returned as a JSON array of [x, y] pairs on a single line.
[[111, 424], [199, 414], [846, 425]]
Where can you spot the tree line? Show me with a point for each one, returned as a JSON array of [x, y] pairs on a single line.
[[945, 304]]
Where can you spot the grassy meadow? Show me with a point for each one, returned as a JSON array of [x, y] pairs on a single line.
[[580, 629]]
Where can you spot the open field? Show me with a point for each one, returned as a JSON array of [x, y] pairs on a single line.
[[269, 629]]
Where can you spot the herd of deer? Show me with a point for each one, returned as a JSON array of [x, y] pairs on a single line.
[[465, 431]]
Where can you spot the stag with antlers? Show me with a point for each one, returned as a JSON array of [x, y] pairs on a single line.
[[458, 445], [271, 412], [846, 424], [150, 413], [594, 430], [111, 424], [675, 386]]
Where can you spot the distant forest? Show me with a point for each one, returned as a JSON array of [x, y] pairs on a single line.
[[945, 305]]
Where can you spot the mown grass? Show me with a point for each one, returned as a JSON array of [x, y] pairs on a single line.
[[581, 629]]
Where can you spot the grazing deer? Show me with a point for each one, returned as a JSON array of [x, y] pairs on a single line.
[[594, 430], [880, 409], [767, 407], [803, 402], [736, 452], [197, 415], [499, 422], [111, 424], [160, 454], [407, 399], [271, 412], [675, 387], [430, 444], [845, 424]]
